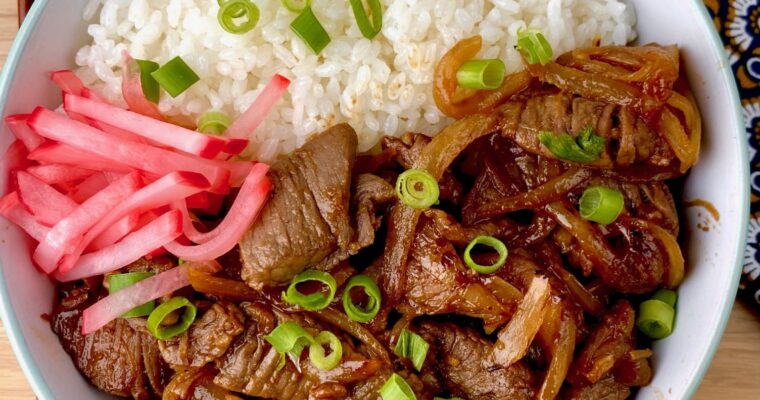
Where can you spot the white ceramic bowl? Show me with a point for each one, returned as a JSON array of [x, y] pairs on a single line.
[[54, 31]]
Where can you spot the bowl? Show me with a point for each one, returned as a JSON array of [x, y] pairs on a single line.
[[54, 30]]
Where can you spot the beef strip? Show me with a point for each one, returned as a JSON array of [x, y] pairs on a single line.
[[629, 139], [606, 389], [307, 217], [459, 353], [121, 358], [207, 339]]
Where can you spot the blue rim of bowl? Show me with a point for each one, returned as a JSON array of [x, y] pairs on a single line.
[[40, 386], [728, 301], [15, 336]]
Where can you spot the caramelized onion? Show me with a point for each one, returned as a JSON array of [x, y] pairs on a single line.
[[674, 272], [515, 338], [222, 287], [550, 191], [561, 352], [451, 102]]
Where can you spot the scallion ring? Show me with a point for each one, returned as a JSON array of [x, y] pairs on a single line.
[[534, 46], [314, 301], [289, 339], [601, 204], [481, 74], [296, 5], [237, 14], [666, 296], [117, 282], [412, 346], [368, 30], [162, 311], [175, 76], [232, 11], [396, 388], [357, 313], [489, 241], [655, 318], [150, 88], [317, 351], [307, 27], [417, 188], [214, 123]]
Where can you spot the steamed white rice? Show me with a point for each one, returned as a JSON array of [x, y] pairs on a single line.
[[380, 86]]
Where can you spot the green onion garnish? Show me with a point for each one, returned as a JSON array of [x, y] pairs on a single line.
[[417, 188], [308, 28], [357, 313], [289, 339], [601, 204], [655, 318], [314, 301], [238, 16], [296, 5], [214, 123], [162, 311], [412, 346], [117, 282], [317, 351], [175, 76], [150, 87], [534, 46], [489, 241], [396, 388], [368, 30], [585, 148], [481, 74], [666, 296]]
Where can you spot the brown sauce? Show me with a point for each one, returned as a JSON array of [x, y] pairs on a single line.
[[706, 205]]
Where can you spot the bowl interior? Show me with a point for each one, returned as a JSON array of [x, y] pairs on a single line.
[[54, 31]]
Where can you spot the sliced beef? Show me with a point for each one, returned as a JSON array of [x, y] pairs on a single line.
[[207, 339], [629, 139], [196, 384], [606, 389], [121, 358], [459, 353], [307, 217]]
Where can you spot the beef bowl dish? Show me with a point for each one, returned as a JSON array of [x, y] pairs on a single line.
[[387, 200]]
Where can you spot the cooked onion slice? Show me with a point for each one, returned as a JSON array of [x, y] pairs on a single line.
[[515, 338]]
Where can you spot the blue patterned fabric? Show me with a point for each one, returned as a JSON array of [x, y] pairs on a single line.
[[738, 22]]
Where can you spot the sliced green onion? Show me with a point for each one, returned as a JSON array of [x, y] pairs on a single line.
[[491, 242], [368, 30], [289, 339], [308, 28], [481, 74], [238, 16], [412, 346], [357, 313], [214, 123], [175, 76], [601, 204], [317, 351], [117, 282], [296, 5], [150, 87], [585, 148], [162, 311], [666, 296], [534, 46], [314, 301], [417, 188], [396, 388], [655, 318]]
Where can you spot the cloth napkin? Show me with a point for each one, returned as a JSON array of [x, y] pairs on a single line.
[[738, 22]]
